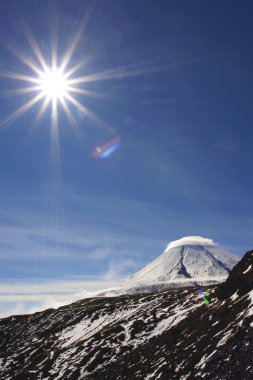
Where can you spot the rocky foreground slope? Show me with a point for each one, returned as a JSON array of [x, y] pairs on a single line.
[[176, 334]]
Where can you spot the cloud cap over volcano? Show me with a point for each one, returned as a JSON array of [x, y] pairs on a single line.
[[191, 240]]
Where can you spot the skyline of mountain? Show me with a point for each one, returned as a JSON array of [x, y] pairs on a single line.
[[174, 334], [189, 261]]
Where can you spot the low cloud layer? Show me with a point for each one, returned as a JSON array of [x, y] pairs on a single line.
[[29, 297]]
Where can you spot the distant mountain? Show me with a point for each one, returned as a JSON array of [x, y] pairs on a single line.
[[189, 261], [182, 334]]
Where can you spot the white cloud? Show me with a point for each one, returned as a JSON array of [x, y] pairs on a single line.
[[52, 287], [191, 240], [100, 253], [22, 296], [117, 269]]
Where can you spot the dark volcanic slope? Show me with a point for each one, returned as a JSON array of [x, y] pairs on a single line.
[[153, 336]]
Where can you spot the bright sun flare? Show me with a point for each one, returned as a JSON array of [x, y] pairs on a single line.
[[53, 84]]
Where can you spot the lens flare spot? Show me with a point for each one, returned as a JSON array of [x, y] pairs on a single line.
[[107, 149], [202, 297]]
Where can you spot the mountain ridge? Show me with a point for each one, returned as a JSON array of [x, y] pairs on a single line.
[[174, 334]]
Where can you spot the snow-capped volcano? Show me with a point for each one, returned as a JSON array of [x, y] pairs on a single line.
[[186, 261]]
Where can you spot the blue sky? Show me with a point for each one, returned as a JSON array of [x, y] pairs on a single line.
[[177, 91]]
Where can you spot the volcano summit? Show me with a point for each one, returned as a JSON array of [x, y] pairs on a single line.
[[189, 261]]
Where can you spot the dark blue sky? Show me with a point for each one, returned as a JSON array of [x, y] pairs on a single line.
[[185, 124]]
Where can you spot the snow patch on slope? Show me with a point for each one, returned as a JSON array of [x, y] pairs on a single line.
[[248, 269]]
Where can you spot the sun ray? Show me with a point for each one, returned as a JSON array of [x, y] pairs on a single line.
[[79, 65], [72, 121], [93, 94], [21, 91], [27, 61], [54, 57], [33, 44], [41, 112], [91, 115], [69, 114], [18, 76], [20, 111], [70, 51], [118, 73], [73, 44]]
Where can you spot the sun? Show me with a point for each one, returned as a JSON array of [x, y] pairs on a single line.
[[53, 84], [60, 82]]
